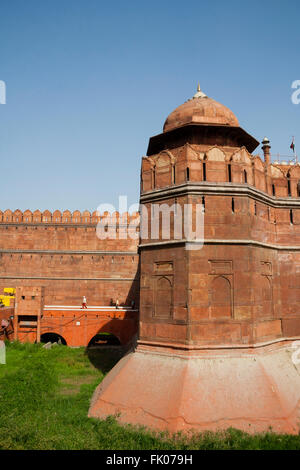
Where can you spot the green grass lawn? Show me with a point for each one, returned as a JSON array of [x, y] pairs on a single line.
[[44, 401]]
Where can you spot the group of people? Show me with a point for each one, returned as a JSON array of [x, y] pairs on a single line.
[[84, 303]]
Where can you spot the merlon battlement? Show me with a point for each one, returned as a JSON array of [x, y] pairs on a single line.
[[67, 217]]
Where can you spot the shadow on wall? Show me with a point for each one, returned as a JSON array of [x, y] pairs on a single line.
[[134, 291]]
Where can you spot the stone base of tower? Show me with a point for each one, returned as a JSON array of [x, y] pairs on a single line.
[[174, 389]]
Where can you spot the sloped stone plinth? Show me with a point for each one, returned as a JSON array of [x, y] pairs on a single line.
[[252, 389]]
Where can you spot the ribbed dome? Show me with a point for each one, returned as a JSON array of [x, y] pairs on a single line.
[[200, 110]]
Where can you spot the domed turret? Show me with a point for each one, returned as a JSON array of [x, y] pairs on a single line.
[[200, 110], [201, 121]]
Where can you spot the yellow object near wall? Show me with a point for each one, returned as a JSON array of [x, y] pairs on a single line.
[[9, 290], [5, 299]]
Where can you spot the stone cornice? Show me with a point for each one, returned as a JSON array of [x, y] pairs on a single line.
[[221, 242], [210, 347], [219, 189]]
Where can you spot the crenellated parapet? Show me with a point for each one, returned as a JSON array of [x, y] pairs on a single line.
[[67, 217], [219, 164]]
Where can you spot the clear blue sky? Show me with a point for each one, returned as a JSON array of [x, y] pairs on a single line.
[[88, 82]]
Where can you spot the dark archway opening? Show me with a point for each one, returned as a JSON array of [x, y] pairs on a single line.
[[52, 338], [104, 339]]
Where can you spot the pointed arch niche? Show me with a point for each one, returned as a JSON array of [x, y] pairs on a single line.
[[163, 293], [220, 294]]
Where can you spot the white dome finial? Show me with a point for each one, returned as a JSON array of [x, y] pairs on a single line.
[[199, 93]]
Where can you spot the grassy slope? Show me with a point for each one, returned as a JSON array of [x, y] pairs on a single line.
[[44, 400]]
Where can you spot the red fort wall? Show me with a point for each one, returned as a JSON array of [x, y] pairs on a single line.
[[242, 286], [61, 252]]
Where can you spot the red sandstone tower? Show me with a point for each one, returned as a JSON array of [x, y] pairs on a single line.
[[216, 323]]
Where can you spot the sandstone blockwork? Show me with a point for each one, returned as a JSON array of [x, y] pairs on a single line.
[[62, 253], [241, 287], [200, 162]]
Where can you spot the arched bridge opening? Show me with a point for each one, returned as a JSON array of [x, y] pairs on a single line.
[[53, 338], [104, 339]]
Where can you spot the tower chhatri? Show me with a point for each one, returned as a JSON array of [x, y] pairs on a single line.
[[199, 93], [214, 336]]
